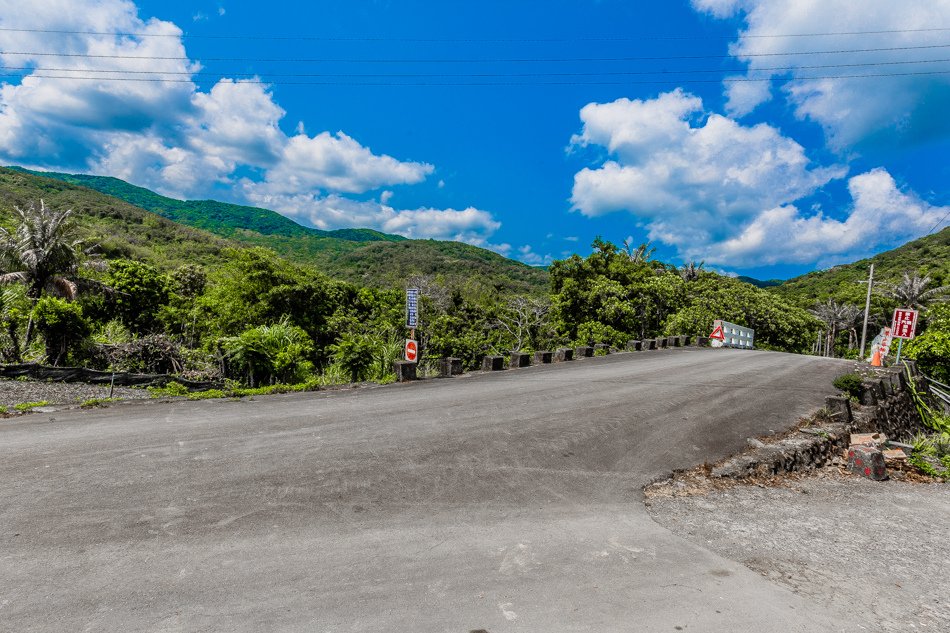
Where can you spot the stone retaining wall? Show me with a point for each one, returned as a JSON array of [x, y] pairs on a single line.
[[886, 406], [81, 374]]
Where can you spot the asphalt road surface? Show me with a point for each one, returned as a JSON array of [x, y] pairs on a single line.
[[498, 502]]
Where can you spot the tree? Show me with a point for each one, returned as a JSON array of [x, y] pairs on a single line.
[[523, 318], [42, 253], [691, 270], [139, 291], [912, 292]]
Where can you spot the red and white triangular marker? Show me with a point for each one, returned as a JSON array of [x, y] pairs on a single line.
[[717, 333]]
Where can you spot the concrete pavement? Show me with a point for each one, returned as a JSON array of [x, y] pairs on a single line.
[[501, 502]]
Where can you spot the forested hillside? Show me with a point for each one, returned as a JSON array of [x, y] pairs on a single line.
[[359, 255]]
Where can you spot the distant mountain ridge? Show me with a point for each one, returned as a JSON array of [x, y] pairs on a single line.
[[927, 256], [211, 215], [362, 256]]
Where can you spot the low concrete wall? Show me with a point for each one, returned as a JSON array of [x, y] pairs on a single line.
[[405, 370]]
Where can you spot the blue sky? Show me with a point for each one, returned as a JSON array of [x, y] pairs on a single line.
[[528, 128]]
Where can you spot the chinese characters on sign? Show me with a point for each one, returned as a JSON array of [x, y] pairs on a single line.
[[904, 323], [412, 307]]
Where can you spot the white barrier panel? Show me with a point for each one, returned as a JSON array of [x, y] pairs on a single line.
[[732, 335]]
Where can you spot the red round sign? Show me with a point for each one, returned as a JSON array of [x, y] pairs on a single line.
[[412, 350]]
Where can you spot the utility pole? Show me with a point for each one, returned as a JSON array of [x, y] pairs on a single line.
[[867, 309]]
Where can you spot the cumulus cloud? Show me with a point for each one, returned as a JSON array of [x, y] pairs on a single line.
[[689, 176], [527, 255], [725, 192], [473, 226], [180, 140], [880, 214], [853, 111]]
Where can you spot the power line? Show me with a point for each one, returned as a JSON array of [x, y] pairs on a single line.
[[941, 221], [488, 83], [385, 38], [474, 61], [123, 71]]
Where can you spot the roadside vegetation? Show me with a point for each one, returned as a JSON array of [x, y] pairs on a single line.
[[93, 281]]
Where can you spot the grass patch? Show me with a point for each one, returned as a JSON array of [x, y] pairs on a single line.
[[92, 403], [27, 406]]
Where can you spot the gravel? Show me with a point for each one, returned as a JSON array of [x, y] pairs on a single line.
[[875, 552], [14, 392]]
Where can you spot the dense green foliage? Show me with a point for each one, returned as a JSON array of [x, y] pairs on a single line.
[[63, 326], [931, 349], [610, 297], [159, 297]]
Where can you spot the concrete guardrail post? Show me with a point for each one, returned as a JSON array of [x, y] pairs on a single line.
[[701, 341], [493, 363], [563, 354], [649, 343], [450, 367], [662, 342], [634, 346], [542, 357], [405, 370], [518, 360], [584, 351]]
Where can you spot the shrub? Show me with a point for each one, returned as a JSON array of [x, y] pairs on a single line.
[[271, 353], [63, 326], [850, 384]]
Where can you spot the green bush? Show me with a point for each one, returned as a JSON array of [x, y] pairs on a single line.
[[63, 326], [355, 354], [269, 354], [849, 384]]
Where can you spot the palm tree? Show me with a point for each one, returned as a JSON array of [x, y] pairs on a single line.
[[912, 291], [42, 253], [690, 271], [639, 254]]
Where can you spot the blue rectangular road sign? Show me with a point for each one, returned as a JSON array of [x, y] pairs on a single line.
[[412, 307]]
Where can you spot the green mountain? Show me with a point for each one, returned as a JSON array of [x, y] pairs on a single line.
[[929, 255], [120, 229], [362, 256]]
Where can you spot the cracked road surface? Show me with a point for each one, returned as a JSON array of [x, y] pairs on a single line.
[[508, 501]]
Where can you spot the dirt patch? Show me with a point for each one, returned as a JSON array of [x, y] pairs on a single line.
[[875, 552], [14, 392]]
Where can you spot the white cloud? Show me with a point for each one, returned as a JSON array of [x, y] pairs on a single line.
[[472, 226], [880, 215], [527, 255], [726, 193], [690, 177], [168, 136], [852, 111]]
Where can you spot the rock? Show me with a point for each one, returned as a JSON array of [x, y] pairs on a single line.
[[867, 462]]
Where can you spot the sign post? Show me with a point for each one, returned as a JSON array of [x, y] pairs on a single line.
[[903, 326], [412, 322]]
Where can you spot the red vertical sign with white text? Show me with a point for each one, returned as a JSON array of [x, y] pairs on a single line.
[[904, 323]]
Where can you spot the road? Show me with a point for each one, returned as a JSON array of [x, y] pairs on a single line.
[[499, 502]]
